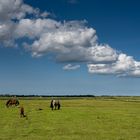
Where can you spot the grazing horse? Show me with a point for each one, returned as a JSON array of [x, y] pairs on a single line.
[[55, 104], [11, 102], [22, 112]]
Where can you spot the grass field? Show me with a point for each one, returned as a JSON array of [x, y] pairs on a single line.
[[78, 119]]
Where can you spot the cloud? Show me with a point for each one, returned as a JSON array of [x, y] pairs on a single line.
[[124, 66], [71, 67], [7, 33], [34, 28], [15, 9], [68, 41], [12, 12]]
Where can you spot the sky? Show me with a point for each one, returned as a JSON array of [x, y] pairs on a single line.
[[68, 47]]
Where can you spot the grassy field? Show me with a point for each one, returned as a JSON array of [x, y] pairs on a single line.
[[79, 119]]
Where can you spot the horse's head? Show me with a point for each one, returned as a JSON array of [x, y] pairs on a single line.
[[8, 103]]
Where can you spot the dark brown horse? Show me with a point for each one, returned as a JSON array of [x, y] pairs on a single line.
[[22, 112], [12, 102], [55, 104]]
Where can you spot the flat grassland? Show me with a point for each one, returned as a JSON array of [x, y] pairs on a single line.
[[78, 119]]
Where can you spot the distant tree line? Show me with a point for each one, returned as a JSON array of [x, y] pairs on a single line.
[[15, 95]]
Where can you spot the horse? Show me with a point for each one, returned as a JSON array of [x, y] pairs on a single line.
[[55, 104], [11, 102], [22, 112]]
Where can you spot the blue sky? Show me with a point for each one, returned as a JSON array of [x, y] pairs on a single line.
[[116, 24]]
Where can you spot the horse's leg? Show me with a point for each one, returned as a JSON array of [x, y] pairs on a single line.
[[10, 104], [58, 106]]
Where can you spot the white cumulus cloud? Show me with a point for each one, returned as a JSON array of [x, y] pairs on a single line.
[[14, 9], [124, 66], [71, 67]]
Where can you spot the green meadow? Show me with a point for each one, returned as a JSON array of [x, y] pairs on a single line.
[[79, 119]]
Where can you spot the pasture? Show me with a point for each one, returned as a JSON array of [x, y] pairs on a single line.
[[78, 119]]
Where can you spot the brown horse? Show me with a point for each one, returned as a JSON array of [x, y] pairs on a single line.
[[22, 112], [55, 104], [11, 102]]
